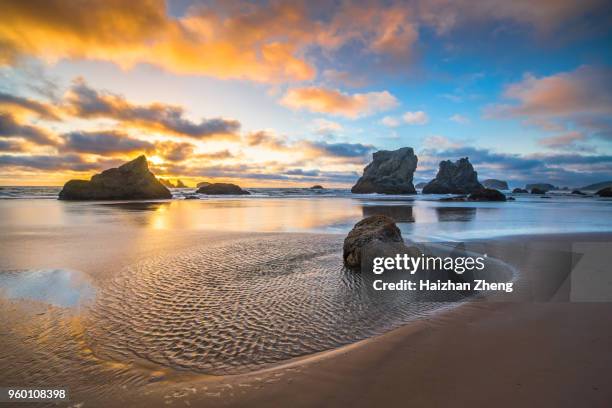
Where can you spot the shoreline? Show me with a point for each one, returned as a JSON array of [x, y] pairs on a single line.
[[419, 366]]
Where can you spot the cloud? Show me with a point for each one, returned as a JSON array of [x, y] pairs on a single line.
[[72, 162], [86, 102], [20, 105], [103, 143], [349, 150], [12, 146], [457, 118], [173, 151], [568, 140], [9, 127], [326, 127], [415, 118], [564, 104], [335, 102], [408, 118]]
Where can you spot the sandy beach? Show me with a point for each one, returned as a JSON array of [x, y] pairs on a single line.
[[543, 344]]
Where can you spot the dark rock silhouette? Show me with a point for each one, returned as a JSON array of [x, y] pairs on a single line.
[[605, 192], [578, 192], [390, 172], [180, 184], [540, 186], [316, 187], [166, 183], [487, 194], [537, 191], [367, 234], [203, 184], [495, 184], [222, 189], [519, 191], [454, 178], [131, 181]]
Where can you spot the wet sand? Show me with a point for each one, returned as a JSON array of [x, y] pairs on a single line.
[[535, 347]]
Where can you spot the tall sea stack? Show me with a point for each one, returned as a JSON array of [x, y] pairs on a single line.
[[390, 172]]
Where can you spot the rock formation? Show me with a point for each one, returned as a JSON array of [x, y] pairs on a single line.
[[180, 184], [131, 181], [454, 178], [222, 189], [495, 184], [540, 186], [166, 183], [487, 194], [316, 187], [537, 191], [374, 230], [519, 191], [605, 192], [597, 186], [578, 192], [390, 172], [202, 184]]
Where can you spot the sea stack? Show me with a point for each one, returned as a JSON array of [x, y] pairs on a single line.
[[454, 178], [222, 189], [130, 181], [390, 172]]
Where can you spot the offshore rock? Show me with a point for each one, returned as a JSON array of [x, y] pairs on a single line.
[[130, 181], [390, 172]]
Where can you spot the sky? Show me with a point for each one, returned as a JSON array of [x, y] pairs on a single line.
[[296, 93]]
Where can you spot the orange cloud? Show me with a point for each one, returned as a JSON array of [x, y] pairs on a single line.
[[85, 102], [335, 102]]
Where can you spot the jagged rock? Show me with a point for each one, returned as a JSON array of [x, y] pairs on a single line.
[[537, 191], [131, 181], [454, 178], [495, 184], [222, 189], [390, 172], [202, 184], [487, 194], [180, 184], [519, 191], [166, 183], [605, 192], [377, 229], [316, 187], [540, 186]]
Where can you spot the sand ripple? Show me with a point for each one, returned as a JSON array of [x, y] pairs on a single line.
[[229, 307]]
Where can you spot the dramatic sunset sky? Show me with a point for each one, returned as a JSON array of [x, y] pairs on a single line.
[[302, 92]]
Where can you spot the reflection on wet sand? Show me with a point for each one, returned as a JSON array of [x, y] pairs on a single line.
[[450, 214], [400, 213]]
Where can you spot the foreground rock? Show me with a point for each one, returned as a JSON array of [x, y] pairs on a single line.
[[454, 178], [519, 191], [390, 172], [131, 181], [540, 186], [377, 234], [605, 192], [495, 184], [222, 189], [487, 194]]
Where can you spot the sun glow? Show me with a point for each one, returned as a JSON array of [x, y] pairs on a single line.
[[156, 160]]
